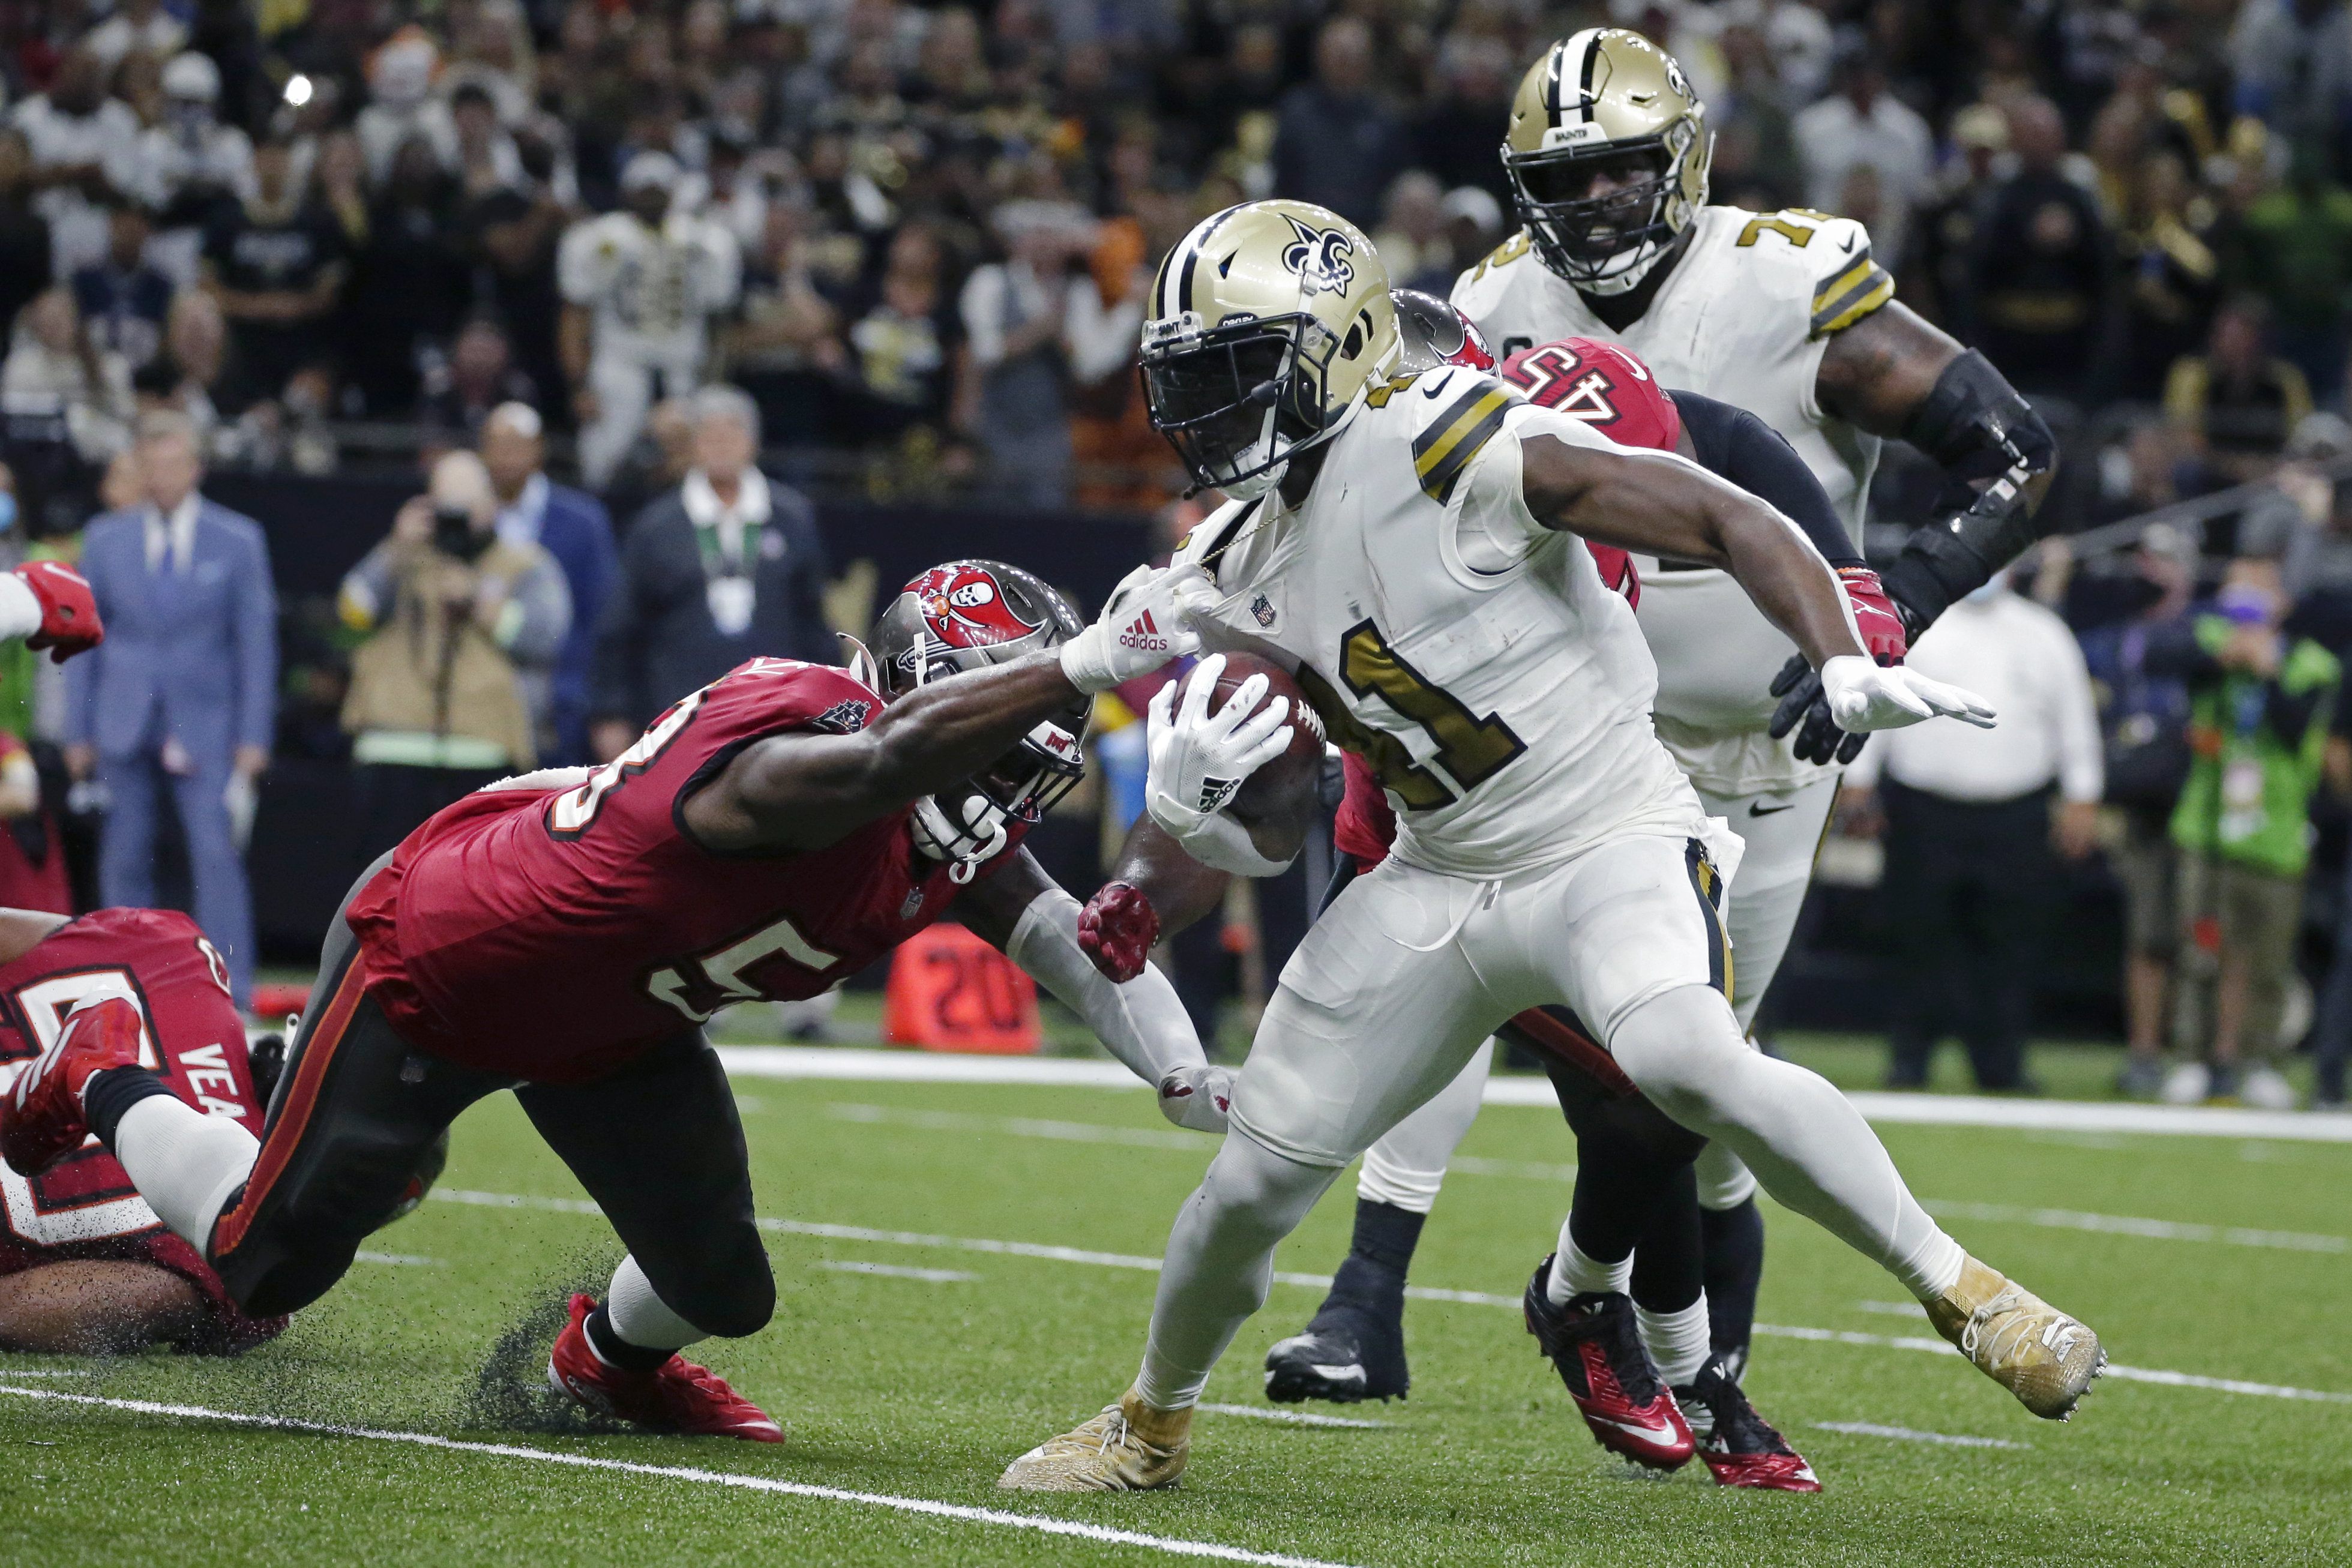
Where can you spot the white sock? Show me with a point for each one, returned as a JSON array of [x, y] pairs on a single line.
[[639, 1316], [1677, 1341], [184, 1163], [1573, 1273]]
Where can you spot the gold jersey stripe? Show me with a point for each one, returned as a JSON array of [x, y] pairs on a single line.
[[1852, 294], [1456, 436]]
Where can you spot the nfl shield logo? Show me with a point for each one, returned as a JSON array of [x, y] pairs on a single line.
[[1262, 608], [914, 903]]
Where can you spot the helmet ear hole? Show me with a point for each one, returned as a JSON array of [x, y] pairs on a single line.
[[1355, 343]]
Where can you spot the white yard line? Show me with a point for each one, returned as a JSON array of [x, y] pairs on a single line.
[[853, 1065], [1906, 1435], [1170, 1544], [896, 1271], [1295, 1417], [1323, 1281], [398, 1259], [2125, 1225]]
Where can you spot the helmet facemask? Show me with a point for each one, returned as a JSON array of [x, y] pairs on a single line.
[[1601, 245], [1239, 401], [967, 826]]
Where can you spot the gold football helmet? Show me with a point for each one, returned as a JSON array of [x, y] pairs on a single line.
[[1606, 94], [1267, 321]]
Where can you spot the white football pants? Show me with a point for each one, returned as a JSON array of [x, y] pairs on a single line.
[[1782, 832], [1393, 990], [624, 385]]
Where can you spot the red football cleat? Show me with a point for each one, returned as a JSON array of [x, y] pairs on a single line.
[[675, 1397], [1597, 1346], [41, 1118], [1738, 1447]]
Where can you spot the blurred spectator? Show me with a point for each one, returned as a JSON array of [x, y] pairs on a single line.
[[461, 627], [123, 301], [510, 234], [726, 568], [1337, 144], [2040, 275], [181, 379], [906, 341], [1942, 254], [1455, 139], [85, 146], [401, 106], [480, 376], [2296, 251], [2144, 723], [25, 256], [191, 166], [2291, 59], [1757, 164], [2237, 399], [574, 527], [142, 26], [275, 266], [1018, 313], [2305, 526], [784, 351], [180, 699], [56, 378], [639, 286], [1862, 125], [1970, 829], [2172, 276], [2260, 703], [408, 287]]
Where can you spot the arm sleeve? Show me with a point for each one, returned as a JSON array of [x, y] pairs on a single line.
[[1141, 1021], [1734, 445]]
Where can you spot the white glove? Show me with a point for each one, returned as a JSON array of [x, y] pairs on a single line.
[[1198, 759], [1147, 621], [1197, 1097], [1864, 696]]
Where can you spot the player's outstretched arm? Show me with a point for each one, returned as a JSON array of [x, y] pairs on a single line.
[[49, 605], [1661, 506], [803, 791], [1029, 916]]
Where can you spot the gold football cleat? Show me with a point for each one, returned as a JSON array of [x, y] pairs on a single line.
[[1129, 1446], [2046, 1358]]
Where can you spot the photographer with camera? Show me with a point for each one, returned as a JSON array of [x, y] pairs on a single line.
[[450, 690]]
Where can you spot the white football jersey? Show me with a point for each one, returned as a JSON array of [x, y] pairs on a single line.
[[651, 291], [1744, 318], [1506, 711]]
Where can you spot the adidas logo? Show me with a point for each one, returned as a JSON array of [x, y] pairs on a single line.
[[1144, 634], [1215, 792]]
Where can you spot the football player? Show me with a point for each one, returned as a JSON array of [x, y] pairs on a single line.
[[1411, 547], [1635, 1182], [85, 1266], [1784, 315], [568, 933]]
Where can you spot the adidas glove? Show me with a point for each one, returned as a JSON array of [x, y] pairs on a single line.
[[1198, 1097], [1146, 622], [1198, 759], [1867, 696]]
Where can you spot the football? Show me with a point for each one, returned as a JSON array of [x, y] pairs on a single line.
[[1291, 776]]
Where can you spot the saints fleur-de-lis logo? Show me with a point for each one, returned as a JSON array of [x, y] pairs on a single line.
[[1320, 257]]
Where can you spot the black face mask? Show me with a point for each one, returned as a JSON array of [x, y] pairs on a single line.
[[454, 534]]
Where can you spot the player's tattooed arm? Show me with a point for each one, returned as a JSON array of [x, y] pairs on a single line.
[[1658, 506], [803, 790]]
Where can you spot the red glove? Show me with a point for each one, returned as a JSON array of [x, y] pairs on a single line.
[[1874, 614], [70, 622], [1116, 929]]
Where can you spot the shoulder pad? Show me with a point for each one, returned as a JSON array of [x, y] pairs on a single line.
[[1822, 259], [1485, 281]]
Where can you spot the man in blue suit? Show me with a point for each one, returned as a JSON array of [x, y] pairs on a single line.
[[181, 696], [572, 527]]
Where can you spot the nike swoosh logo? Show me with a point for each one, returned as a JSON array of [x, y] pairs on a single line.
[[1847, 249], [1662, 1436], [1435, 387], [1756, 808]]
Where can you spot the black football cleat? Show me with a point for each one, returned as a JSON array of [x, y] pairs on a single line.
[[1738, 1447], [1596, 1344], [1351, 1352]]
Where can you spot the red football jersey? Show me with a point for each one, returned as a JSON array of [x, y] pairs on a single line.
[[554, 935], [85, 1207]]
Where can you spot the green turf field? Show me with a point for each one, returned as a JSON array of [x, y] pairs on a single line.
[[905, 1367]]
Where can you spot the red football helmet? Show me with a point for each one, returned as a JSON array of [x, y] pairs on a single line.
[[1431, 333], [965, 615]]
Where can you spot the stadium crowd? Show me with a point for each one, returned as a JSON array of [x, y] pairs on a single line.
[[902, 250]]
